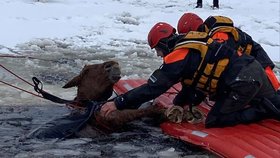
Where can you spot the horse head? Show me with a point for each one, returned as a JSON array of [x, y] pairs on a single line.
[[95, 82]]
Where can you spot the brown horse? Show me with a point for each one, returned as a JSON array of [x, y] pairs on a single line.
[[94, 83]]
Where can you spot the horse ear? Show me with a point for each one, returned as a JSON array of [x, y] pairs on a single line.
[[74, 82]]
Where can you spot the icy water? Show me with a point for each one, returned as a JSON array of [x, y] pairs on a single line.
[[55, 62], [137, 139]]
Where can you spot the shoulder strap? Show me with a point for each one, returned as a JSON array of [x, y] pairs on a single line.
[[195, 40]]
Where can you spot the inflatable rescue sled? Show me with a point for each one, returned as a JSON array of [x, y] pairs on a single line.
[[256, 140]]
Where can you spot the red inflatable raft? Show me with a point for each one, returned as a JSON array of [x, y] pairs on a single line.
[[261, 139]]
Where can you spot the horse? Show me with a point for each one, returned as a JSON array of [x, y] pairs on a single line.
[[94, 86]]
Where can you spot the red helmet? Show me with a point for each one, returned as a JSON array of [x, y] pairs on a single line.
[[159, 31], [189, 22]]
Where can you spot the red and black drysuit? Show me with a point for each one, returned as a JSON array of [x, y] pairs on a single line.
[[246, 42], [242, 83]]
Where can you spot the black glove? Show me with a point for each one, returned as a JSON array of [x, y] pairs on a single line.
[[188, 96]]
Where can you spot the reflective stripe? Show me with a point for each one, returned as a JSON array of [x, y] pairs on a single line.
[[249, 156], [175, 56], [153, 78], [127, 87], [199, 133]]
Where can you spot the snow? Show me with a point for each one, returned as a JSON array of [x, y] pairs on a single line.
[[101, 22]]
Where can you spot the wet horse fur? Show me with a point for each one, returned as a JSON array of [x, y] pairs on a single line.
[[95, 83]]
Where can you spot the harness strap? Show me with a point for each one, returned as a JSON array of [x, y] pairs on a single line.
[[92, 107], [47, 95], [211, 76], [200, 71], [56, 99]]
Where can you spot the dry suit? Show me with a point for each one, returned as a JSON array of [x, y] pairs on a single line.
[[242, 82], [222, 30]]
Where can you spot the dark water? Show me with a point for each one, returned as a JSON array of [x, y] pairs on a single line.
[[141, 138]]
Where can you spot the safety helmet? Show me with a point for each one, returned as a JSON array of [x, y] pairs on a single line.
[[159, 31], [189, 22]]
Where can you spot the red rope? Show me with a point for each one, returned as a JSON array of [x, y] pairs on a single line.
[[22, 56], [21, 89], [16, 75], [21, 79]]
